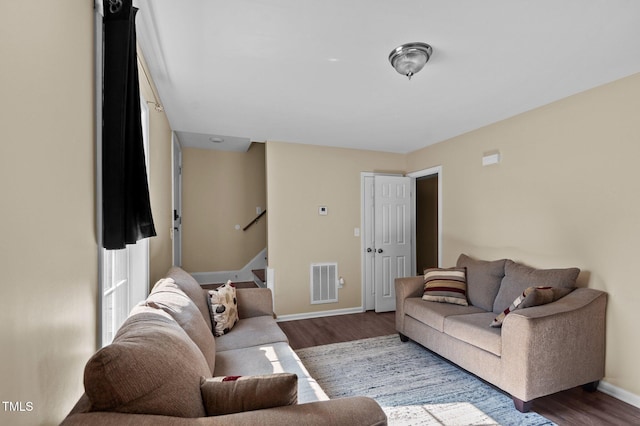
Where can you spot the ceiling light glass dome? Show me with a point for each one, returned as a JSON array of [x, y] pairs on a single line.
[[410, 58]]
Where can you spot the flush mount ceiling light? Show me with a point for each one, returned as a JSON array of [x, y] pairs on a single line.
[[410, 58], [216, 140]]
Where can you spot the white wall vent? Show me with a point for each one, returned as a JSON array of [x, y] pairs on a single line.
[[324, 283]]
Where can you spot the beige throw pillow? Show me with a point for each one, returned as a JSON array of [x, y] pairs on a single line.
[[224, 308], [234, 394]]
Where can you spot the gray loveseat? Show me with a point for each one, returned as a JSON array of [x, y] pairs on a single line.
[[538, 351], [151, 373]]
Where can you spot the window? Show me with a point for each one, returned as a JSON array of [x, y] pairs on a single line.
[[125, 273]]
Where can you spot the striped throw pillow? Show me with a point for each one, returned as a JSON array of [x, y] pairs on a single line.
[[446, 285]]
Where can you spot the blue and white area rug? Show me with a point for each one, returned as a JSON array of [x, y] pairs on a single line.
[[412, 385]]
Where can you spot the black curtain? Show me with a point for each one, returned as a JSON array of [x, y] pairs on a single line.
[[126, 209]]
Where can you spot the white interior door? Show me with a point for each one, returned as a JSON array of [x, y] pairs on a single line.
[[387, 242], [393, 237]]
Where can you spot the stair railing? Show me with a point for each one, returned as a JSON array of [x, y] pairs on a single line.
[[254, 220]]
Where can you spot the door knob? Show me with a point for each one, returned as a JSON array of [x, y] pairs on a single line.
[[379, 250], [369, 250]]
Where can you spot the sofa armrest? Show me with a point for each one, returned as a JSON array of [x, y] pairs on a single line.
[[406, 287], [344, 411], [254, 302], [553, 347]]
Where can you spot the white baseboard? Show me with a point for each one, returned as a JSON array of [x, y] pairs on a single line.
[[319, 314], [619, 393], [244, 274]]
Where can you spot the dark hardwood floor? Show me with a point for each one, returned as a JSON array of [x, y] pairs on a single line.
[[340, 328], [571, 407]]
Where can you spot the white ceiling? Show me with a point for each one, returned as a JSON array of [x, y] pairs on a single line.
[[317, 72]]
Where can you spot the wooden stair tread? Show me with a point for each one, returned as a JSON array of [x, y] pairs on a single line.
[[261, 274], [241, 284]]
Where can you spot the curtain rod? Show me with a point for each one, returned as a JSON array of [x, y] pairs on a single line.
[[158, 106]]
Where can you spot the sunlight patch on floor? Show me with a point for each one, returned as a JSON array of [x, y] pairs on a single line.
[[452, 414]]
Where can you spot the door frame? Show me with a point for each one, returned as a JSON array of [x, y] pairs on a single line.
[[363, 261], [436, 170], [176, 200]]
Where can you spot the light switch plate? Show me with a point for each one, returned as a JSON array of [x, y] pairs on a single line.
[[322, 211]]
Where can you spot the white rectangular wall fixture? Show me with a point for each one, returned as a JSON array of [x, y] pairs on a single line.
[[490, 158]]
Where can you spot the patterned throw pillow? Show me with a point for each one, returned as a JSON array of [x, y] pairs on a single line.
[[224, 308], [446, 285], [234, 394], [532, 296]]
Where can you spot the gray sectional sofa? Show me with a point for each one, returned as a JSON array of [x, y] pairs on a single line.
[[164, 356], [539, 350]]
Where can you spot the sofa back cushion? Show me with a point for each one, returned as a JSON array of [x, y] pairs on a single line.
[[152, 367], [167, 296], [483, 280], [190, 286], [518, 277]]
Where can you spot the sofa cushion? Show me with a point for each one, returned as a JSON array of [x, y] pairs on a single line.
[[224, 308], [268, 359], [434, 313], [483, 280], [473, 330], [445, 285], [532, 296], [190, 286], [167, 296], [518, 277], [254, 302], [234, 394], [254, 331], [152, 367]]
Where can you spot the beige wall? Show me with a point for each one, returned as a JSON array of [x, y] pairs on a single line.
[[567, 193], [222, 189], [299, 179], [160, 185], [48, 246]]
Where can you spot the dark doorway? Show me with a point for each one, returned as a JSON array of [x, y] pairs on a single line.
[[426, 223]]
